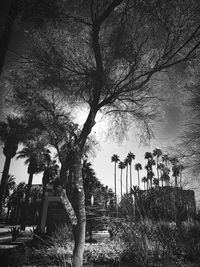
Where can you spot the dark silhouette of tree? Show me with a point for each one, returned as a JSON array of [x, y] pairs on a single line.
[[107, 63], [144, 180], [121, 166], [115, 159], [16, 200], [161, 167], [157, 153], [12, 132], [126, 163], [131, 157], [35, 153], [138, 168]]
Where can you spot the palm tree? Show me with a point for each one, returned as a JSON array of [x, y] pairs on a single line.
[[11, 133], [161, 167], [35, 153], [16, 200], [126, 163], [138, 167], [165, 159], [121, 166], [148, 155], [176, 172], [181, 168], [165, 176], [156, 182], [9, 187], [131, 157], [115, 159], [150, 176], [144, 180], [157, 153], [175, 169]]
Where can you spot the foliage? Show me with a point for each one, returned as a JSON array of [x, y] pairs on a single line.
[[15, 232], [53, 250], [106, 252]]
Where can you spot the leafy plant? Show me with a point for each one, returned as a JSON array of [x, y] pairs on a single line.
[[15, 232]]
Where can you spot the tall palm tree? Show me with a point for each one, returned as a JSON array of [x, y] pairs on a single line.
[[12, 131], [165, 176], [138, 167], [165, 159], [181, 168], [157, 153], [131, 157], [150, 177], [115, 159], [16, 200], [176, 172], [34, 152], [9, 187], [144, 180], [126, 163], [121, 166], [148, 155], [161, 167], [156, 182]]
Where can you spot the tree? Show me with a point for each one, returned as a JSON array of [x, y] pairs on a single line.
[[131, 157], [144, 180], [9, 187], [35, 153], [181, 168], [115, 159], [157, 153], [161, 167], [12, 132], [107, 63], [148, 167], [165, 176], [121, 166], [138, 167], [126, 163], [165, 159], [16, 200]]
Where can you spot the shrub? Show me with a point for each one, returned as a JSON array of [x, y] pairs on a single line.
[[108, 251], [55, 250]]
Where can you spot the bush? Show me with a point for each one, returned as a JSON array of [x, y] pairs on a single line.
[[105, 252], [55, 250]]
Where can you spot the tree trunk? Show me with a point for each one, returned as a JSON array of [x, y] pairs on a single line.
[[26, 203], [127, 179], [157, 171], [138, 180], [121, 183], [130, 178], [79, 204], [4, 182], [115, 185]]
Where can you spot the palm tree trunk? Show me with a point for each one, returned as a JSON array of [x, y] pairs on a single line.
[[26, 202], [4, 182], [130, 178], [121, 183], [115, 181], [157, 171], [138, 179], [79, 202], [127, 179]]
